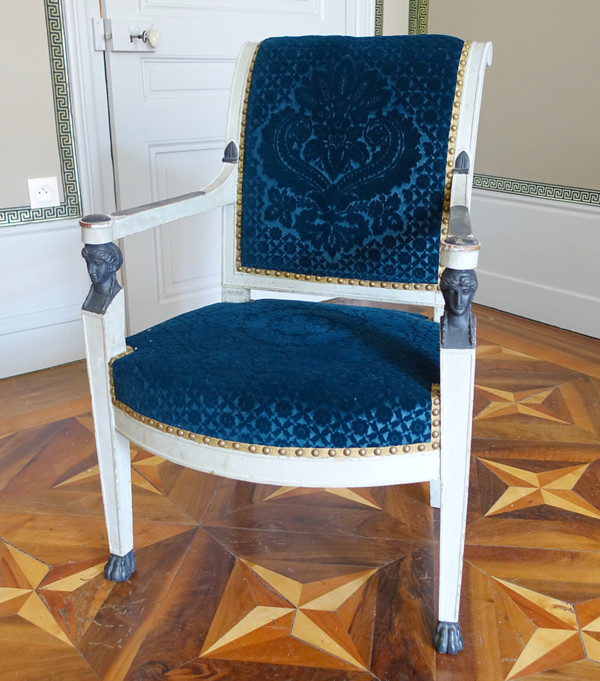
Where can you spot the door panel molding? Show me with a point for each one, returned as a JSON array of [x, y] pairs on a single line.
[[275, 7], [177, 78]]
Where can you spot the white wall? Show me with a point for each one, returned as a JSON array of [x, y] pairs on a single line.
[[538, 125], [539, 259], [43, 278], [43, 286], [539, 255]]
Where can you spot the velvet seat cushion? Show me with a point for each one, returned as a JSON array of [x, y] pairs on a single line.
[[286, 374]]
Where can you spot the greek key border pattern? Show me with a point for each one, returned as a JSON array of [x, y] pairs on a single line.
[[418, 17], [71, 207], [555, 192], [378, 17]]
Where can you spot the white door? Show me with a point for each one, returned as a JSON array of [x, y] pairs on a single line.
[[168, 106]]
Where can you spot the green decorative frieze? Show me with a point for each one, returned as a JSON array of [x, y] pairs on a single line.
[[378, 17], [555, 192], [418, 16]]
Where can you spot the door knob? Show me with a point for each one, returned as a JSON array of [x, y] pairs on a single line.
[[151, 36]]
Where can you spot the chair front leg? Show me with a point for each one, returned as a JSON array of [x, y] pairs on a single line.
[[104, 330], [114, 460], [457, 376], [115, 476]]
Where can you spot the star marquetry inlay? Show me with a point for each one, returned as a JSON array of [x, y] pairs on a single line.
[[360, 496], [556, 640], [526, 402], [20, 578], [527, 489], [265, 616]]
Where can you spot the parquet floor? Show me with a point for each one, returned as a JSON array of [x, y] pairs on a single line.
[[247, 582]]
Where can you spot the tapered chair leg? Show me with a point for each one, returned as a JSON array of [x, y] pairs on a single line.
[[105, 339], [457, 373], [115, 476]]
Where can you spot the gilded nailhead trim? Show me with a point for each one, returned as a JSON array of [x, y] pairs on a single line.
[[290, 451], [452, 140]]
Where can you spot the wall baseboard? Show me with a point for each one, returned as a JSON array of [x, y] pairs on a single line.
[[563, 309], [539, 259], [40, 348]]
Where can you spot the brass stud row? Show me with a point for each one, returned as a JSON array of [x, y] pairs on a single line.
[[333, 280], [317, 452]]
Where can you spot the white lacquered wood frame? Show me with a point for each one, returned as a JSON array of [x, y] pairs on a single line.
[[104, 338], [447, 469], [288, 471], [457, 376]]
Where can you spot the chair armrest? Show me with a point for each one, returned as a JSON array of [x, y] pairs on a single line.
[[460, 249], [100, 229]]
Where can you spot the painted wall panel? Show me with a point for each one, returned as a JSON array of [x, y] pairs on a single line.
[[538, 216], [539, 119]]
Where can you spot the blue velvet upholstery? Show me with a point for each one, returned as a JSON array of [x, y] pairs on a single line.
[[286, 374], [344, 156]]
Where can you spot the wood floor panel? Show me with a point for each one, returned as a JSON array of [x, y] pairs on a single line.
[[122, 623], [405, 622], [249, 582], [182, 621], [17, 450], [382, 512], [190, 490], [563, 348], [13, 424]]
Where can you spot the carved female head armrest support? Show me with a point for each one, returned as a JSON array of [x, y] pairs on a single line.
[[458, 323], [103, 262]]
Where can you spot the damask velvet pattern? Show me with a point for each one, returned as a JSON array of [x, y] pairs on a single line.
[[344, 156], [286, 374]]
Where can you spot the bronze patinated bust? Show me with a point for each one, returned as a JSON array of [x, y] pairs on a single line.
[[103, 262], [458, 324]]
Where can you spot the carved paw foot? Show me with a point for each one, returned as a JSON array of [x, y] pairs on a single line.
[[120, 568], [448, 638]]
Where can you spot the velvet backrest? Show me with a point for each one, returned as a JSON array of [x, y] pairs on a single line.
[[346, 157]]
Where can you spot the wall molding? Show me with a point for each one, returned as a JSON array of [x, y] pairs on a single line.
[[59, 74], [554, 192], [418, 16]]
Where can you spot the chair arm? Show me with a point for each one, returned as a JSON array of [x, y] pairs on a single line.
[[460, 249], [101, 229], [459, 253]]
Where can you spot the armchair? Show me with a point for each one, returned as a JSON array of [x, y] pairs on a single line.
[[346, 174]]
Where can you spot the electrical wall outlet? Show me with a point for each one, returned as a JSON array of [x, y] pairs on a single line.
[[43, 192]]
